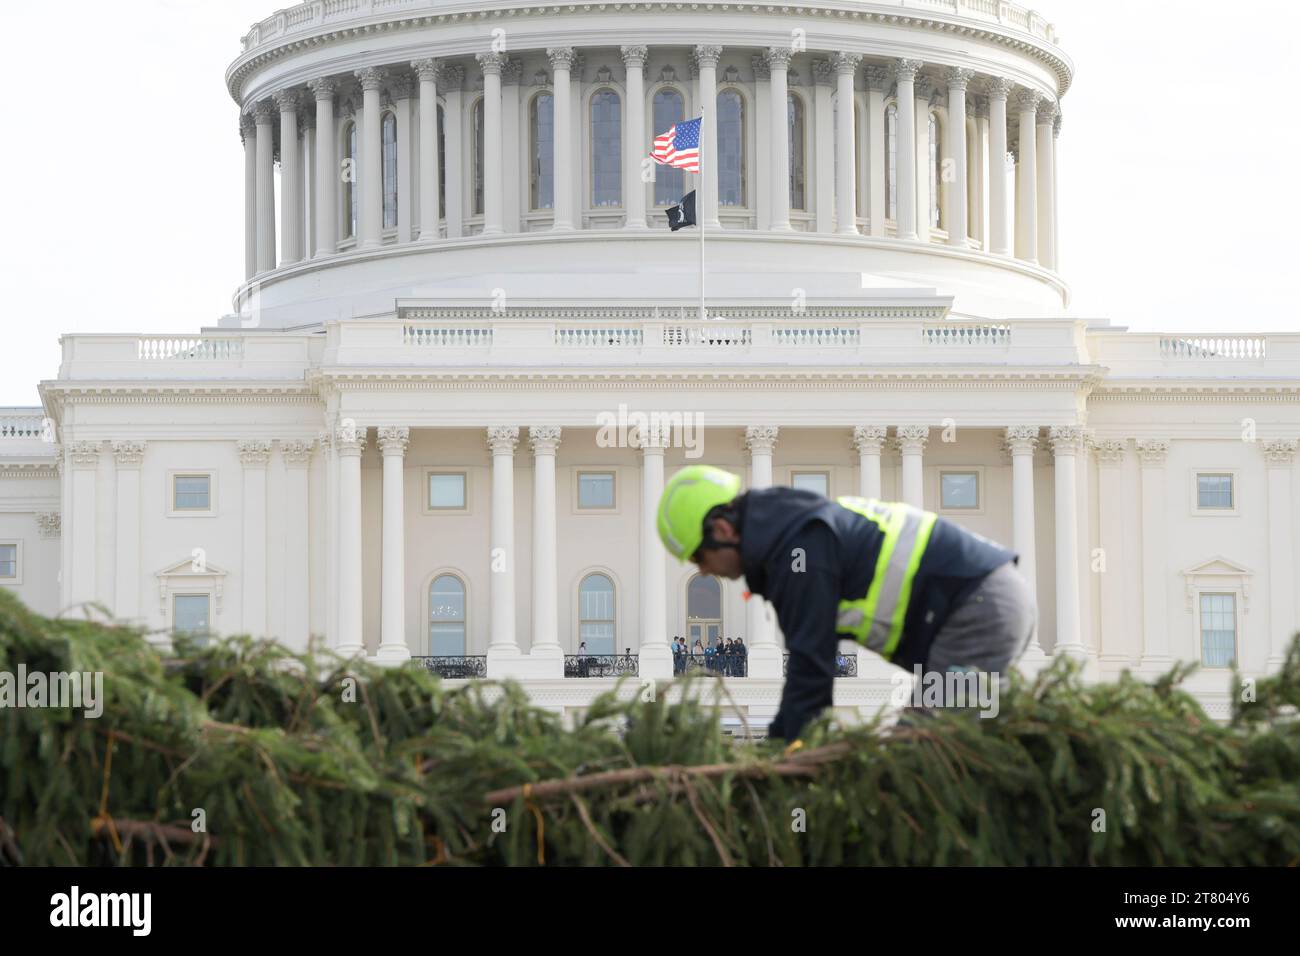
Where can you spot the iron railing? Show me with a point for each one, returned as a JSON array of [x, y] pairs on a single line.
[[719, 665], [454, 668], [599, 665], [846, 665]]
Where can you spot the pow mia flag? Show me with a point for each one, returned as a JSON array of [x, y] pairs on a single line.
[[682, 214]]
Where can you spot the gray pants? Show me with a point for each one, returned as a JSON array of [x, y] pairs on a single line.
[[988, 631]]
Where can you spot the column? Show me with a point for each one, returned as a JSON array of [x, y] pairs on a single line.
[[263, 115], [562, 105], [765, 655], [760, 170], [392, 589], [329, 447], [126, 602], [427, 72], [502, 440], [1066, 442], [290, 186], [1115, 650], [1279, 455], [823, 153], [307, 176], [248, 136], [327, 168], [846, 197], [1027, 179], [999, 227], [512, 160], [254, 455], [878, 205], [868, 440], [493, 183], [636, 144], [450, 79], [1021, 440], [706, 58], [545, 440], [1056, 179], [350, 442], [79, 538], [924, 90], [1046, 117], [977, 170], [295, 458], [105, 533], [958, 227], [400, 89], [905, 164], [656, 659], [911, 441], [778, 65], [1156, 657], [370, 148]]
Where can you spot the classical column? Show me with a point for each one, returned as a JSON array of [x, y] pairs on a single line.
[[327, 168], [823, 153], [778, 65], [80, 536], [350, 442], [427, 72], [1046, 170], [502, 440], [765, 655], [1115, 648], [392, 589], [450, 79], [129, 456], [290, 186], [999, 227], [635, 140], [370, 146], [1282, 623], [106, 533], [924, 88], [846, 197], [514, 162], [493, 181], [877, 78], [1155, 579], [868, 440], [307, 166], [655, 657], [977, 169], [905, 164], [1021, 440], [248, 136], [400, 88], [958, 227], [545, 440], [911, 441], [295, 458], [562, 106], [1027, 179], [706, 58], [264, 115], [329, 448], [1066, 442], [254, 455], [1056, 180]]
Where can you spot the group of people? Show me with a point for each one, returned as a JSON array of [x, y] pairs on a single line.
[[726, 658]]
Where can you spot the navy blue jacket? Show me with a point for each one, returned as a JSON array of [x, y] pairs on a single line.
[[839, 551]]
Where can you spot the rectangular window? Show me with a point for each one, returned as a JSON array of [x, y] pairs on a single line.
[[959, 490], [1218, 630], [190, 614], [596, 489], [447, 492], [815, 481], [8, 561], [191, 492], [1214, 491]]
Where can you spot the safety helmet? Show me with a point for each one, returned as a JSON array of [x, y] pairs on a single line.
[[688, 496]]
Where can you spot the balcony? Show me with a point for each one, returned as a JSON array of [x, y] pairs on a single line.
[[846, 665], [600, 665], [454, 668]]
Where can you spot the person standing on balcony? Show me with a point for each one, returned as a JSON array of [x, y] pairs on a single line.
[[921, 592]]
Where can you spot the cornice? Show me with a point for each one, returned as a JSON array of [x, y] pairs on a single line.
[[1006, 36], [1268, 391], [195, 392], [28, 469]]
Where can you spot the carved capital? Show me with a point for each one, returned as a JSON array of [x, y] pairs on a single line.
[[707, 55], [958, 79], [247, 127], [401, 86], [1028, 100], [905, 70], [1110, 451], [545, 439], [760, 439], [350, 440], [425, 69], [1056, 123], [1065, 439], [1047, 113], [287, 101], [561, 57], [843, 62], [823, 74], [84, 454], [1152, 451], [254, 453], [1021, 439], [877, 78], [778, 58], [297, 451], [264, 113], [451, 78], [128, 453], [1280, 451], [49, 524], [999, 87], [653, 437], [323, 88], [634, 57], [490, 63], [912, 438], [393, 439], [869, 438], [502, 439]]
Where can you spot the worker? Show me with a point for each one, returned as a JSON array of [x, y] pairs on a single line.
[[907, 584]]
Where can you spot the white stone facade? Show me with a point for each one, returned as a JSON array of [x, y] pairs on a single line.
[[495, 307]]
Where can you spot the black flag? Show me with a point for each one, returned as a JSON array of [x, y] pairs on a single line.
[[682, 214]]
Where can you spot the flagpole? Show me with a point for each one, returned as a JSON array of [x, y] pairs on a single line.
[[699, 213]]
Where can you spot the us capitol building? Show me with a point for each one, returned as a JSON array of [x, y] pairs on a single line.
[[467, 350]]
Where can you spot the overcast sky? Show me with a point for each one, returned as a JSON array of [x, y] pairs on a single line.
[[124, 172]]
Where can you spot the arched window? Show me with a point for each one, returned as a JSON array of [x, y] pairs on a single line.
[[703, 610], [350, 180], [891, 159], [795, 114], [731, 149], [477, 123], [442, 161], [936, 212], [606, 149], [446, 617], [669, 109], [390, 170], [541, 151], [596, 624]]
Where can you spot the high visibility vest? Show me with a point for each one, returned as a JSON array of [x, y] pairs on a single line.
[[876, 620]]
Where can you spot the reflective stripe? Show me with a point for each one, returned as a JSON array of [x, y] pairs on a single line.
[[876, 620]]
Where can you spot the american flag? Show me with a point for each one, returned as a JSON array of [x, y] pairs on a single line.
[[680, 146]]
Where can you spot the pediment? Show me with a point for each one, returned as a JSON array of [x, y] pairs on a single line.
[[1218, 566]]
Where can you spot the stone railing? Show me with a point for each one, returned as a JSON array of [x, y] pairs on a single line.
[[251, 355], [597, 338], [998, 335], [421, 335], [1248, 347], [1184, 355], [315, 16], [157, 348], [22, 424]]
